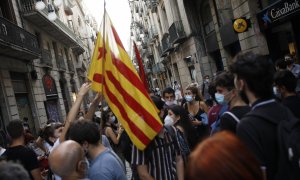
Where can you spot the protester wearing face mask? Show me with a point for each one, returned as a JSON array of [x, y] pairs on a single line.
[[197, 110], [285, 84], [108, 121], [227, 94], [295, 69], [185, 133], [205, 87], [169, 98]]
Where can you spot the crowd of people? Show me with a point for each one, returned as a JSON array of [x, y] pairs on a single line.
[[242, 124]]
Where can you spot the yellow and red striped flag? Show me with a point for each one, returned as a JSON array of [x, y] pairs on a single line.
[[122, 87]]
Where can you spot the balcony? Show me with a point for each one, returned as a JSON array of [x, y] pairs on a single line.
[[158, 68], [153, 5], [144, 44], [148, 71], [149, 53], [56, 29], [81, 66], [61, 65], [177, 34], [46, 59], [166, 46], [153, 34], [16, 42], [71, 66]]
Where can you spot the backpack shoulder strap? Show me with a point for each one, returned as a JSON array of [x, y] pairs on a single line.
[[233, 116]]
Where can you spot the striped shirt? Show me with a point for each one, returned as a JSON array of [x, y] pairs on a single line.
[[159, 156]]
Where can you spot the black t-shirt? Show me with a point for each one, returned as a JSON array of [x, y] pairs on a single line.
[[228, 122], [23, 155], [293, 103]]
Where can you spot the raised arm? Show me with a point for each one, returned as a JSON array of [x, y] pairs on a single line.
[[74, 110], [89, 115]]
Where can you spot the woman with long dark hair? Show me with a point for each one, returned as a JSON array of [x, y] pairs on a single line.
[[197, 110], [185, 132]]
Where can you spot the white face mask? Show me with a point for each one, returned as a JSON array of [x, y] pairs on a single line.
[[168, 121], [170, 103]]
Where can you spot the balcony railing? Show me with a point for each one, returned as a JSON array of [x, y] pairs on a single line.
[[153, 34], [159, 49], [71, 66], [56, 28], [148, 71], [149, 53], [177, 34], [61, 63], [15, 39], [46, 58], [166, 46], [152, 4]]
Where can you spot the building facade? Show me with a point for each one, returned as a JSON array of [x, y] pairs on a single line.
[[43, 62], [185, 40]]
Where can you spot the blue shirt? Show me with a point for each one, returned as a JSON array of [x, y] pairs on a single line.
[[105, 142], [107, 166]]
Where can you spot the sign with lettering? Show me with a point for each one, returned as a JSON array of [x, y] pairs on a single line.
[[277, 12]]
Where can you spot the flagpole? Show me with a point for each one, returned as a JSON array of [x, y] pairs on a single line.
[[103, 66]]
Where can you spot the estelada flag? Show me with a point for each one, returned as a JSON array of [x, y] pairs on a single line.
[[122, 87]]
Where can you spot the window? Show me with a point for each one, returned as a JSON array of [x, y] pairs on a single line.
[[207, 19], [70, 24], [192, 72], [38, 36], [79, 21], [48, 46]]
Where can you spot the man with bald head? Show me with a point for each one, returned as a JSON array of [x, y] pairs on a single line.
[[68, 161]]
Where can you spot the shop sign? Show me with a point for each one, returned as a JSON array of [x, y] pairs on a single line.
[[49, 85], [278, 11], [241, 25]]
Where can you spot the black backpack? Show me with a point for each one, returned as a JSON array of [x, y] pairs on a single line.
[[289, 148], [288, 134]]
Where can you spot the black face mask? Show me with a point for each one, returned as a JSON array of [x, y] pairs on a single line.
[[244, 96]]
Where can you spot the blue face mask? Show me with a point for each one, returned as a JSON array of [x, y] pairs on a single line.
[[220, 98], [188, 98], [112, 119]]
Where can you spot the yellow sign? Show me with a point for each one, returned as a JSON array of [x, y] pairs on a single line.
[[240, 25]]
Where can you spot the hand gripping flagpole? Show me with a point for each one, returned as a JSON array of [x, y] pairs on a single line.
[[103, 65]]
